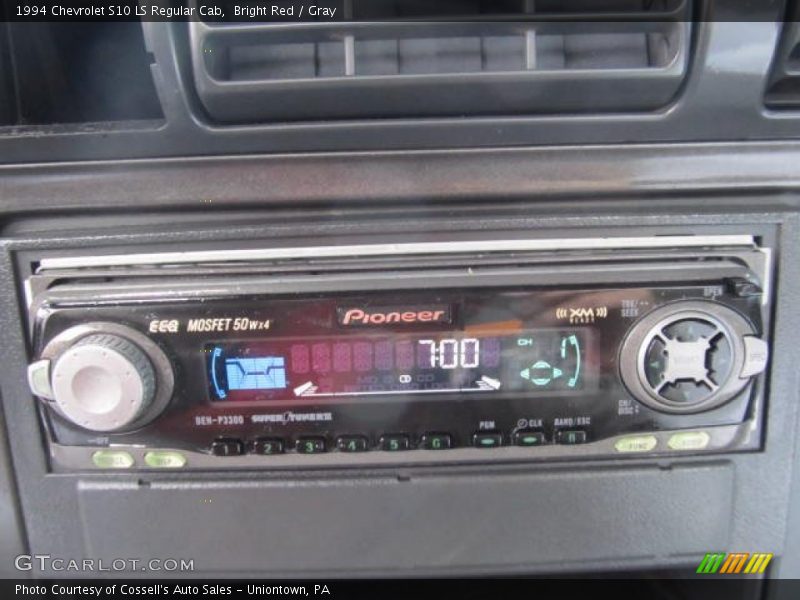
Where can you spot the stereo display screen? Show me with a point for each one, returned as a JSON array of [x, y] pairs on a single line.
[[359, 365]]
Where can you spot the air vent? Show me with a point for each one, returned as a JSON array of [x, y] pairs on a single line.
[[72, 73], [426, 58], [783, 91]]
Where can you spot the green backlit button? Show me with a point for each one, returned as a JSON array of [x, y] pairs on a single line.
[[310, 445], [636, 443], [528, 438], [575, 436], [487, 439], [436, 441], [352, 443], [395, 442], [112, 459], [689, 440], [164, 459]]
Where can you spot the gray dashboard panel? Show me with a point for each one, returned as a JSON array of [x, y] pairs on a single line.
[[415, 524], [714, 161], [11, 524], [723, 99]]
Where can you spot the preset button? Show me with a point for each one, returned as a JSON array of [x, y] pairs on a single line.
[[352, 443], [227, 447], [395, 442], [437, 441], [267, 446], [310, 445]]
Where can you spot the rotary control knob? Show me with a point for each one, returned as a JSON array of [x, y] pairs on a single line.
[[691, 356], [102, 377]]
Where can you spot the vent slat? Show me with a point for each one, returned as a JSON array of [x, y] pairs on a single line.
[[291, 71]]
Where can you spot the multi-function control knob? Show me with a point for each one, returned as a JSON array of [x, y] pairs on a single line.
[[102, 377], [691, 356]]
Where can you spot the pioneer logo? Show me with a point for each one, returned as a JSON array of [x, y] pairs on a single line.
[[384, 315]]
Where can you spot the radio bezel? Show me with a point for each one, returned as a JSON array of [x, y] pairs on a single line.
[[68, 283]]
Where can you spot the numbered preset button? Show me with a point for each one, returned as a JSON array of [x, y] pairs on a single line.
[[310, 445], [267, 446]]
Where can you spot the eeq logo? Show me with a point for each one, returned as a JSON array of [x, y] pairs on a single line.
[[384, 315]]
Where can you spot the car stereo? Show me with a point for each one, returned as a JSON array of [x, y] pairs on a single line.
[[512, 350]]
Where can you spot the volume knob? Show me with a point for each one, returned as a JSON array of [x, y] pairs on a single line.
[[103, 377], [103, 383]]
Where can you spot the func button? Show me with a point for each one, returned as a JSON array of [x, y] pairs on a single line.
[[437, 441], [636, 443]]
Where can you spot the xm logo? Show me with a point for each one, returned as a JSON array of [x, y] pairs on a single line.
[[582, 314], [734, 563]]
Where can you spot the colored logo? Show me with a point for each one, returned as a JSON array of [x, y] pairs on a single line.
[[734, 563]]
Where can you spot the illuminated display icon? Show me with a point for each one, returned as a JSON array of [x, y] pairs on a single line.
[[544, 373], [261, 373]]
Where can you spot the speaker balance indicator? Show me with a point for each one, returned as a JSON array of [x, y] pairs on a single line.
[[561, 368]]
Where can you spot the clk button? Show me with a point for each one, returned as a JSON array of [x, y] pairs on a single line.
[[528, 438], [756, 354]]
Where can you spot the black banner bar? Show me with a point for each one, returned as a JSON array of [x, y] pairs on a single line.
[[329, 11], [705, 588]]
